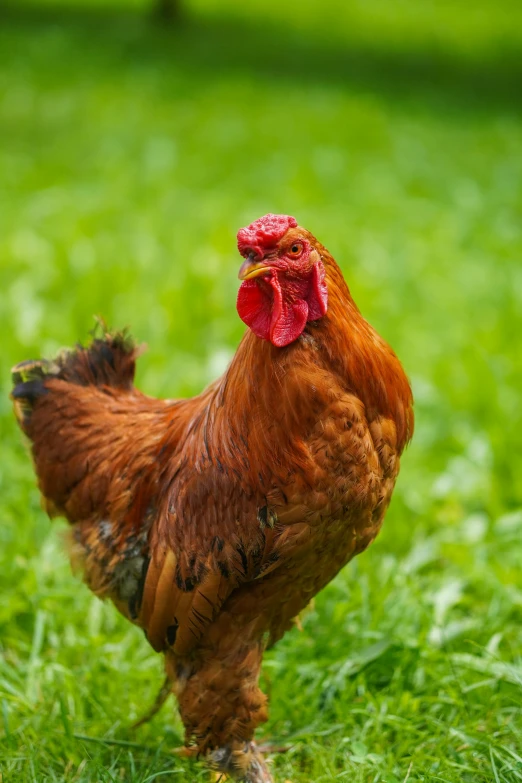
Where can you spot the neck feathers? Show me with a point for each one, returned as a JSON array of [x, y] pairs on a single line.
[[367, 363], [258, 382]]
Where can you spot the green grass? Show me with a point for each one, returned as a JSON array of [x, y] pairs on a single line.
[[129, 156]]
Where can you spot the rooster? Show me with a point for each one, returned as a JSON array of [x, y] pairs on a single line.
[[211, 522]]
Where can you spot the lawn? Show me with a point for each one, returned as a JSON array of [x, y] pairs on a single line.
[[129, 156]]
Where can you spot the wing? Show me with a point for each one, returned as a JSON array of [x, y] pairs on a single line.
[[210, 537]]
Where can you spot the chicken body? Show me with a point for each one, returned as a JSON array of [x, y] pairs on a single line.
[[212, 522]]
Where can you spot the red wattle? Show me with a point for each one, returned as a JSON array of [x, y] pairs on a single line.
[[277, 309], [288, 317], [254, 306]]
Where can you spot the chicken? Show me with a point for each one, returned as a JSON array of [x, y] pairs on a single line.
[[211, 522]]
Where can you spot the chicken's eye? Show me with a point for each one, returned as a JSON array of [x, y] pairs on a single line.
[[295, 250]]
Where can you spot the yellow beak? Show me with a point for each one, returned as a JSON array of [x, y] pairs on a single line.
[[250, 269]]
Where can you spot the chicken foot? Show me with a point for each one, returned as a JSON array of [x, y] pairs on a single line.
[[245, 764]]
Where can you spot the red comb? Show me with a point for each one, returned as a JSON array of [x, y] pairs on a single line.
[[264, 233]]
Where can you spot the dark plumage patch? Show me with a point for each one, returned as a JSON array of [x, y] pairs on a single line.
[[187, 585], [134, 607], [172, 631], [262, 516], [224, 569], [266, 517], [30, 391], [105, 353], [135, 600], [218, 543], [201, 571], [244, 559], [31, 370]]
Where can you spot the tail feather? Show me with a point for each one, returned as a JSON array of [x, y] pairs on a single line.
[[107, 361], [81, 412], [95, 444], [33, 370]]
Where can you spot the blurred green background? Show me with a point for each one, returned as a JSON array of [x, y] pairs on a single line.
[[130, 153]]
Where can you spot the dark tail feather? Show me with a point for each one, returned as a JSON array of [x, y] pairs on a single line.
[[109, 360]]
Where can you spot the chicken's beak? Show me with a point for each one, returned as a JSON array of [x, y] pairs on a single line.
[[250, 268]]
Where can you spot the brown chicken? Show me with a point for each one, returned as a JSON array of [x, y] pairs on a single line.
[[211, 522]]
